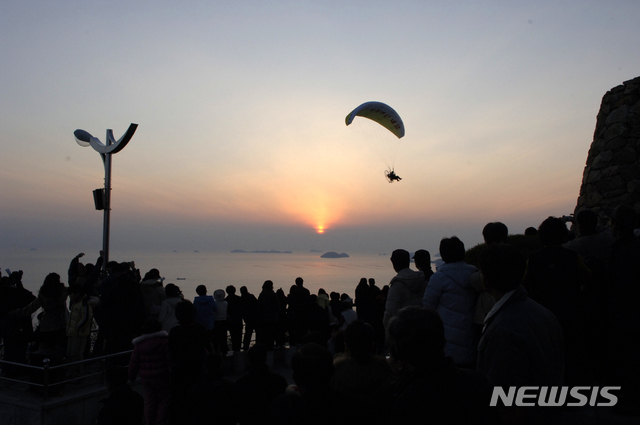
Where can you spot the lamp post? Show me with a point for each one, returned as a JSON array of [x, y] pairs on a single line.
[[112, 146]]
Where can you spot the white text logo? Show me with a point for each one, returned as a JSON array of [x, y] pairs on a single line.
[[554, 396]]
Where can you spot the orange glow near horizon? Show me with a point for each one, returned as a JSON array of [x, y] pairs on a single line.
[[320, 229]]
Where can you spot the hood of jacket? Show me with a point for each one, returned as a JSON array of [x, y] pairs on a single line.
[[458, 272], [413, 280], [218, 295], [173, 301], [144, 337]]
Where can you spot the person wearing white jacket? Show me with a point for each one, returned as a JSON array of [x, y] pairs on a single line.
[[406, 288], [167, 316], [450, 293]]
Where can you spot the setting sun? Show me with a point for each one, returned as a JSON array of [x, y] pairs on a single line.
[[320, 229]]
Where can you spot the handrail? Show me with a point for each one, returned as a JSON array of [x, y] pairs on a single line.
[[46, 369]]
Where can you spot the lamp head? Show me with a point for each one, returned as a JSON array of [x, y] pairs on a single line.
[[83, 138]]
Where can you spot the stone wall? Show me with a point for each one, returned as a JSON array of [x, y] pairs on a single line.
[[612, 174]]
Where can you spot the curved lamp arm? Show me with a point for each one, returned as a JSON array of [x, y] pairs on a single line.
[[85, 139]]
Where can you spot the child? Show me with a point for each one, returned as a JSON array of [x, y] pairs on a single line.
[[150, 360]]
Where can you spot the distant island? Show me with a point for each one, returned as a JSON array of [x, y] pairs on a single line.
[[272, 251], [332, 254]]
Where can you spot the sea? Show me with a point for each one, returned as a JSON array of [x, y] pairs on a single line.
[[218, 269]]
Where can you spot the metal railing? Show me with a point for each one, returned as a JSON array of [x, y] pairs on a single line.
[[46, 371]]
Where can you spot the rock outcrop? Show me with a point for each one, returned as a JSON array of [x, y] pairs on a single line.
[[612, 174], [333, 254]]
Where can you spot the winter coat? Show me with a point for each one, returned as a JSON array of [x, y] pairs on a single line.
[[168, 313], [205, 311], [249, 308], [55, 315], [348, 316], [221, 304], [152, 295], [450, 293], [268, 307], [150, 358], [522, 344], [81, 315], [406, 288], [323, 301]]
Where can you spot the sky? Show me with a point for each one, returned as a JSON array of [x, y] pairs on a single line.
[[242, 142]]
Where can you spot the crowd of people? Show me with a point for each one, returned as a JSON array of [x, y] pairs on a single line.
[[558, 309]]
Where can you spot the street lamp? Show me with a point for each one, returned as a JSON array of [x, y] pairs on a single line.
[[112, 146]]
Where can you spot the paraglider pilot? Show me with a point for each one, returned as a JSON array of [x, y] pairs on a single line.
[[391, 176]]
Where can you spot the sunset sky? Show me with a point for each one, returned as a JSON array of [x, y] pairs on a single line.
[[240, 105]]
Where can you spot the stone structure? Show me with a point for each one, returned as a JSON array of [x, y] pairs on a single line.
[[612, 174]]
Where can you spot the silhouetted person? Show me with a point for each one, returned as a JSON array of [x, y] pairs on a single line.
[[234, 317], [624, 316], [558, 279], [495, 232], [222, 323], [257, 389], [593, 246], [15, 330], [451, 294], [51, 334], [167, 314], [85, 275], [428, 388], [406, 288], [359, 372], [335, 304], [364, 301], [283, 328], [206, 308], [268, 315], [153, 293], [211, 401], [124, 310], [392, 176], [312, 401], [249, 311], [151, 361], [492, 233], [522, 343], [188, 346], [79, 324], [379, 302], [347, 316], [319, 330], [123, 406], [297, 316], [422, 260]]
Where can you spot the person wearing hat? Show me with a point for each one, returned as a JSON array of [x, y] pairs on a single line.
[[422, 260]]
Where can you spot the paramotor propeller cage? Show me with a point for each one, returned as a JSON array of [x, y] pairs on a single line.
[[391, 175]]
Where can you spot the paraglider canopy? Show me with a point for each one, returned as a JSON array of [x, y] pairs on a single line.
[[381, 113]]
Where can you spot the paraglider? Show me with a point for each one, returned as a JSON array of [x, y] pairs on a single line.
[[383, 133], [391, 176]]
